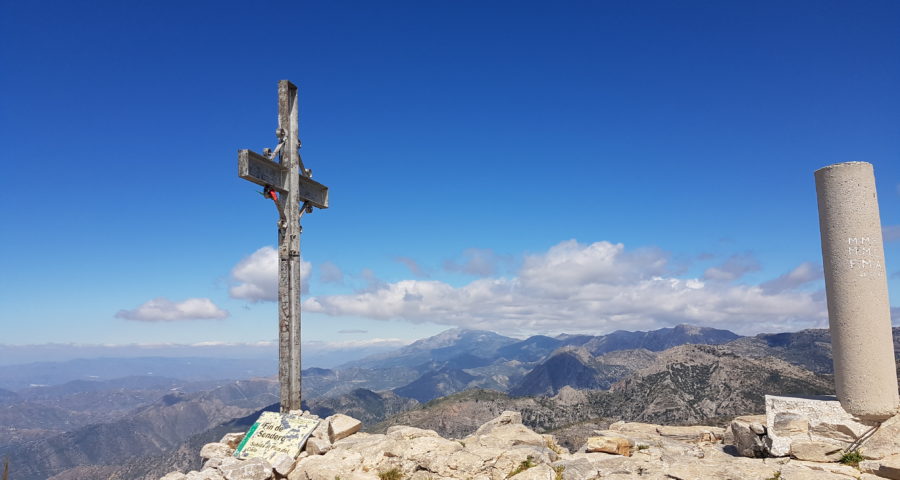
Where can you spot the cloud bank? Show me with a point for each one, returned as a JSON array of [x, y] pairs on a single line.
[[161, 309], [599, 287], [257, 276]]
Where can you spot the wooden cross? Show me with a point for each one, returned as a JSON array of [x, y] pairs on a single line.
[[293, 185]]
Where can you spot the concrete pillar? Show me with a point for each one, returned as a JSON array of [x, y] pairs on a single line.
[[859, 316]]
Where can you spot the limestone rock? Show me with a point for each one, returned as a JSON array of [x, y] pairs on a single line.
[[758, 427], [715, 470], [827, 467], [791, 472], [431, 453], [635, 427], [885, 441], [317, 446], [887, 467], [551, 443], [250, 469], [232, 439], [321, 431], [326, 467], [746, 434], [506, 436], [342, 426], [685, 434], [816, 419], [816, 451], [216, 462], [221, 462], [211, 474], [409, 433], [694, 434], [173, 476], [506, 418], [500, 446], [540, 472], [282, 464], [214, 450], [576, 469], [613, 445]]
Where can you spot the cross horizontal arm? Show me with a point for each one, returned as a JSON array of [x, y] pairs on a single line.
[[262, 171], [312, 192]]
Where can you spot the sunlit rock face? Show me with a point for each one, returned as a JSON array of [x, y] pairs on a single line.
[[504, 448]]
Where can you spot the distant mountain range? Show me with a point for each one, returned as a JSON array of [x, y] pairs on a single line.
[[141, 426], [459, 359]]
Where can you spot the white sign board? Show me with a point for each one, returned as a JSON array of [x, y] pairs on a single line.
[[275, 433]]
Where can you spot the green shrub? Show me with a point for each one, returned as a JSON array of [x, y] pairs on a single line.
[[392, 474], [559, 472], [851, 458], [525, 465]]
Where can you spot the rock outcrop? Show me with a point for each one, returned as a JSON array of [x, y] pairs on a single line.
[[504, 448]]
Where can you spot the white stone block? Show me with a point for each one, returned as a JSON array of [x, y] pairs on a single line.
[[215, 450], [282, 464], [825, 419], [887, 467], [250, 469], [342, 426]]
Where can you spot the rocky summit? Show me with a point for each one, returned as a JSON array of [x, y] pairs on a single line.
[[504, 448]]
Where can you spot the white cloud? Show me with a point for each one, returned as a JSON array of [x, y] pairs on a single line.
[[804, 273], [164, 310], [257, 276], [575, 287], [735, 267]]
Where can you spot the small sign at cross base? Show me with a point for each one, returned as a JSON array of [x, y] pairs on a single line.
[[276, 433]]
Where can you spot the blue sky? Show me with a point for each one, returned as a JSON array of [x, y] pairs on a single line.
[[517, 166]]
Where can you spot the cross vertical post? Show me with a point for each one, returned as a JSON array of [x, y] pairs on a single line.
[[289, 253], [294, 191]]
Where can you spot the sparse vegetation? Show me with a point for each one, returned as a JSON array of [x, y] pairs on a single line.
[[643, 447], [525, 465], [851, 458], [5, 469], [777, 476], [559, 472], [392, 474], [553, 446]]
